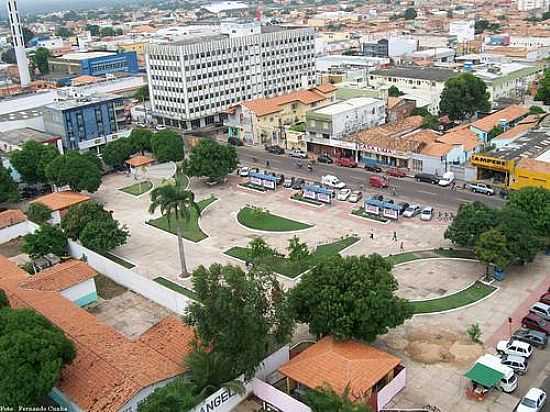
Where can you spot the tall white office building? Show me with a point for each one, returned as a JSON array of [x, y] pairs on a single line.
[[528, 5], [193, 81], [18, 43]]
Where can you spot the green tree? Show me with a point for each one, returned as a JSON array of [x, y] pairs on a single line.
[[47, 239], [430, 122], [393, 91], [535, 203], [543, 90], [297, 251], [78, 216], [32, 160], [480, 26], [240, 314], [4, 302], [8, 56], [140, 139], [93, 29], [106, 32], [213, 160], [142, 93], [463, 96], [32, 354], [536, 110], [76, 170], [8, 188], [28, 34], [470, 222], [175, 203], [523, 240], [167, 146], [39, 213], [104, 235], [492, 248], [325, 399], [259, 249], [115, 153], [40, 60], [410, 14], [177, 396], [494, 132], [349, 298], [63, 32]]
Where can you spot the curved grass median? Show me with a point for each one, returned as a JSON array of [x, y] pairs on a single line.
[[190, 229], [138, 189], [261, 219], [430, 254], [475, 292], [286, 267]]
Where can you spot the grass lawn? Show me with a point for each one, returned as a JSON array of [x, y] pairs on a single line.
[[138, 188], [433, 253], [119, 260], [268, 222], [470, 295], [191, 229], [290, 269], [175, 287]]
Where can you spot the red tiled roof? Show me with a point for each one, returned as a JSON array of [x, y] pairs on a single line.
[[61, 276], [62, 200], [339, 364], [436, 149], [261, 107], [325, 88], [509, 114], [11, 217], [461, 135], [109, 369], [140, 160]]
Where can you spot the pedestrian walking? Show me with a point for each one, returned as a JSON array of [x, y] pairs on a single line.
[[395, 236], [401, 246], [372, 234], [267, 163]]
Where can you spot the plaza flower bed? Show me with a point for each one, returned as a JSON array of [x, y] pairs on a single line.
[[260, 219], [300, 198], [252, 186], [138, 189], [362, 213]]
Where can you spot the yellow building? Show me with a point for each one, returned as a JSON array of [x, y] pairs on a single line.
[[263, 121], [531, 172]]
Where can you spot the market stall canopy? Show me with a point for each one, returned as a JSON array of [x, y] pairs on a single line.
[[484, 375]]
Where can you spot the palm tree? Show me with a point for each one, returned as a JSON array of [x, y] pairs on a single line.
[[175, 203], [325, 399]]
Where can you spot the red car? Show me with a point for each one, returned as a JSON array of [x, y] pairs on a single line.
[[346, 162], [545, 298], [535, 322], [396, 172]]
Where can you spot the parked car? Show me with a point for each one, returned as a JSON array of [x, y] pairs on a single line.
[[355, 196], [289, 181], [300, 154], [412, 211], [518, 363], [427, 213], [533, 401], [346, 162], [140, 124], [535, 322], [160, 127], [235, 141], [402, 207], [447, 179], [280, 178], [244, 171], [343, 194], [278, 150], [333, 182], [372, 166], [533, 337], [545, 298], [378, 182], [514, 347], [396, 172], [426, 178], [324, 158], [481, 188], [541, 309], [298, 184]]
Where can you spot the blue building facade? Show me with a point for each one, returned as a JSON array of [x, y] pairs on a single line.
[[121, 62]]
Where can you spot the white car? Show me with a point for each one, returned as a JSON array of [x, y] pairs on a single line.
[[427, 214], [541, 309], [518, 363], [140, 124], [412, 211], [160, 127], [343, 194], [244, 171], [298, 154], [355, 196], [447, 179], [533, 401], [514, 347]]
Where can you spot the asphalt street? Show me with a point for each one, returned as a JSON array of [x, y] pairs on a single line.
[[408, 189]]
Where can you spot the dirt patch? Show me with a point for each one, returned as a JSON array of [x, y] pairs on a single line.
[[106, 288], [11, 248], [438, 346]]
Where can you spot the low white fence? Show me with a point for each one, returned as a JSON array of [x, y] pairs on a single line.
[[277, 398], [174, 301], [14, 231], [387, 393]]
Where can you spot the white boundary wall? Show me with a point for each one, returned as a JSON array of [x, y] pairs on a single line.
[[14, 231], [387, 393]]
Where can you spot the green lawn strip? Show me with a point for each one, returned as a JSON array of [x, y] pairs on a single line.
[[138, 188], [252, 186], [456, 253], [185, 181], [268, 222], [300, 198], [285, 267], [190, 229], [119, 260], [361, 213], [402, 258], [475, 292], [175, 287]]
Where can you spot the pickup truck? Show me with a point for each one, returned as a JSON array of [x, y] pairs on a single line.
[[481, 188]]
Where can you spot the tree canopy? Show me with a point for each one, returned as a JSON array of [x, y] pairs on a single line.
[[32, 160], [349, 298], [410, 14], [212, 160], [463, 96], [104, 235], [535, 202], [39, 213], [8, 187], [117, 152], [325, 399], [167, 146], [469, 223], [177, 396], [47, 239], [521, 236], [32, 354], [140, 139], [76, 170], [393, 91], [78, 216], [142, 93], [40, 60], [492, 248], [239, 315], [543, 90]]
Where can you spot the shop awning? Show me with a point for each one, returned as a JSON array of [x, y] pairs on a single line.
[[484, 375]]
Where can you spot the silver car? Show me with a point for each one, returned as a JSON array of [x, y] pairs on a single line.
[[427, 213]]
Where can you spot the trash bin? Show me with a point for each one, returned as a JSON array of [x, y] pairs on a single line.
[[499, 274]]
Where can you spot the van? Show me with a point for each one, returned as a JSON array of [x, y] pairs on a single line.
[[332, 182], [447, 179], [378, 182], [509, 381]]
